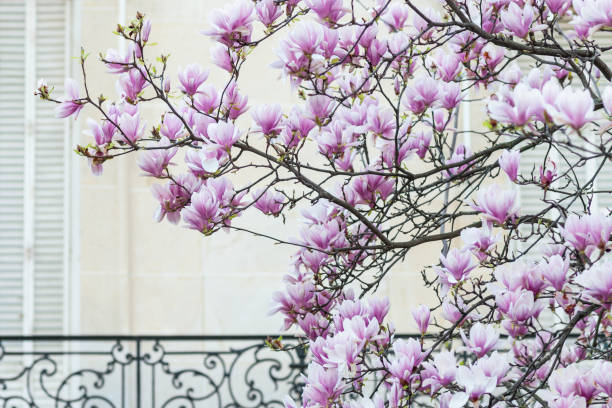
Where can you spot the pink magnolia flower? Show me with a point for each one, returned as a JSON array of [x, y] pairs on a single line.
[[576, 231], [422, 93], [130, 127], [375, 51], [555, 271], [207, 99], [335, 139], [313, 325], [269, 202], [482, 339], [592, 14], [572, 401], [155, 161], [601, 372], [496, 204], [202, 162], [475, 383], [597, 280], [585, 383], [421, 316], [224, 134], [509, 163], [439, 119], [71, 104], [268, 11], [558, 6], [422, 26], [224, 57], [538, 77], [232, 24], [523, 104], [574, 108], [204, 212], [408, 356], [168, 204], [480, 240], [397, 44], [520, 275], [319, 108], [342, 351], [441, 372], [457, 265], [227, 196], [166, 85], [492, 55], [588, 231], [191, 78], [172, 126], [517, 19], [117, 63], [145, 31], [396, 15], [378, 308], [234, 103], [267, 118], [448, 65], [496, 365], [371, 186], [173, 196], [548, 173], [511, 75], [323, 385], [325, 236], [132, 84], [522, 307], [297, 296], [305, 38], [362, 330], [381, 121], [419, 142], [348, 309], [392, 153], [327, 10], [96, 158], [450, 312], [563, 381], [298, 124], [102, 134], [450, 95]]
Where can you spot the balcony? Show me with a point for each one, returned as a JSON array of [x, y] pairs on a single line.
[[153, 371], [148, 371]]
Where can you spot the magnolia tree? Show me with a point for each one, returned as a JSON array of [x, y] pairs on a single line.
[[376, 152]]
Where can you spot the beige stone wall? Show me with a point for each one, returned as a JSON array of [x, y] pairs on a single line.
[[138, 276]]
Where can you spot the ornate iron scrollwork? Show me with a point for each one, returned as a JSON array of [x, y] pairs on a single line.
[[153, 371], [164, 372]]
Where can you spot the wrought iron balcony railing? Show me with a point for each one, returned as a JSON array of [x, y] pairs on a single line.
[[148, 371], [151, 371]]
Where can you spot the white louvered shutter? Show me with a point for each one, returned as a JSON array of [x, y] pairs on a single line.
[[33, 180], [50, 238], [32, 270], [12, 129], [604, 184], [604, 178]]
